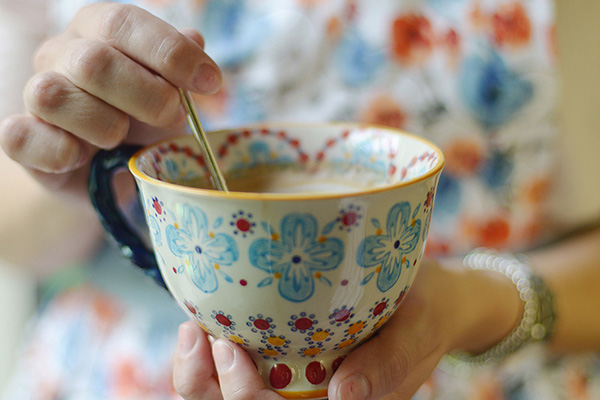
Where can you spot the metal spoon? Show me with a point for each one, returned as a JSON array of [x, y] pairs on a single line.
[[192, 116]]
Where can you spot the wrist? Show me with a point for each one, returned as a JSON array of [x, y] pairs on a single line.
[[489, 309]]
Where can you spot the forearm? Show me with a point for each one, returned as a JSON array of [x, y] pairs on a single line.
[[487, 304], [572, 271]]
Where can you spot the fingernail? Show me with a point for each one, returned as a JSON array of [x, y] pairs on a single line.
[[223, 355], [354, 387], [187, 340], [208, 79]]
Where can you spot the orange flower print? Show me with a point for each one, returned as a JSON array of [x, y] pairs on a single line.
[[334, 28], [577, 384], [553, 41], [451, 41], [494, 233], [463, 157], [383, 110], [536, 191], [412, 39], [486, 387], [478, 18], [511, 26]]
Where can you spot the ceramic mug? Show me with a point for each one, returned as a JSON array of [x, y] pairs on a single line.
[[304, 259]]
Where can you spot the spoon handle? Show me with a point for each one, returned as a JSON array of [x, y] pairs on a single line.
[[192, 116]]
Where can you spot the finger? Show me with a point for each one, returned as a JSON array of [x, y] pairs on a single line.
[[56, 100], [107, 74], [151, 42], [194, 35], [411, 354], [43, 147], [193, 368], [238, 375]]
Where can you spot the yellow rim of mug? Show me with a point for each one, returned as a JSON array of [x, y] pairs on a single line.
[[287, 196], [309, 394]]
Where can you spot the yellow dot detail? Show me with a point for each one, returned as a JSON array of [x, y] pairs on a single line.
[[381, 321], [322, 239], [274, 236], [276, 341], [277, 275], [345, 343], [212, 235], [379, 231], [236, 339], [312, 351], [414, 222], [320, 336], [205, 329], [217, 267], [317, 275], [176, 225], [187, 262], [355, 328], [270, 352], [378, 269]]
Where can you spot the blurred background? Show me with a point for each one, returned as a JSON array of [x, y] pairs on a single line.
[[578, 38]]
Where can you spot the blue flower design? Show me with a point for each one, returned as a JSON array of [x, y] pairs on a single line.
[[358, 61], [498, 169], [204, 249], [295, 257], [260, 153], [387, 250], [155, 230], [493, 93], [233, 31]]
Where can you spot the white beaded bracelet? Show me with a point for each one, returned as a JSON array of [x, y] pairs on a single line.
[[538, 318]]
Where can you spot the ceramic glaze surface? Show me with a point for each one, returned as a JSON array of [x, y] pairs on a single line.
[[298, 278]]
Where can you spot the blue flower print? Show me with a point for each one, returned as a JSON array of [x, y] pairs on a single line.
[[493, 93], [233, 31], [260, 153], [294, 258], [386, 251], [498, 169], [155, 230], [358, 62], [449, 196], [205, 250]]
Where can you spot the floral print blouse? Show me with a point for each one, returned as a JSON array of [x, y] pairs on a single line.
[[478, 77]]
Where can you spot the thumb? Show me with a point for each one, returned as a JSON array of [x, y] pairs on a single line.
[[398, 360], [238, 375]]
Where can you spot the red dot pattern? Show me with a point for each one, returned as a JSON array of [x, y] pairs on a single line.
[[223, 320], [303, 323], [315, 372], [280, 376]]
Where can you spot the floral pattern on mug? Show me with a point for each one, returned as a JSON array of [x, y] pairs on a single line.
[[297, 257], [205, 250], [387, 251]]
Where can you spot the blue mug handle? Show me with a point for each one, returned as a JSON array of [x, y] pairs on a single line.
[[103, 168]]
